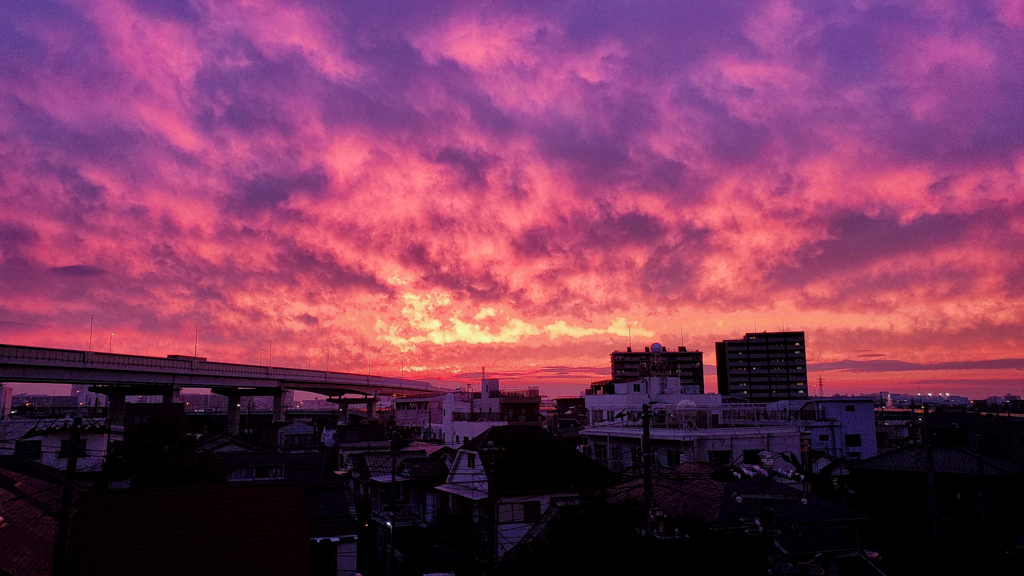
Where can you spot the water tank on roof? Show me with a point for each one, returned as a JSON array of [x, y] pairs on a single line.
[[656, 347]]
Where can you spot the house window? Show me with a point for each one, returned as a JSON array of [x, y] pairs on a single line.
[[853, 440], [471, 460], [636, 387], [269, 473], [673, 458], [822, 437], [851, 408], [65, 449], [616, 453], [600, 452], [752, 456], [506, 513], [531, 511], [28, 448], [635, 455], [720, 457], [519, 512], [237, 474], [298, 439]]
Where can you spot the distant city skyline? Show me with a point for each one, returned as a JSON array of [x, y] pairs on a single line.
[[423, 188]]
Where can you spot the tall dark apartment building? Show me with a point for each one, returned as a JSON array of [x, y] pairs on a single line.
[[763, 366], [656, 360]]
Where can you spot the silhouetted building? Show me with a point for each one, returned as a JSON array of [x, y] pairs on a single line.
[[763, 366], [656, 360]]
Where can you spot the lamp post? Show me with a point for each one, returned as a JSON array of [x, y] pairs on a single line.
[[110, 350], [90, 332]]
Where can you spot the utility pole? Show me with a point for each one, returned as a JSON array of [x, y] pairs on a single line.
[[645, 449], [394, 501], [60, 548], [489, 456]]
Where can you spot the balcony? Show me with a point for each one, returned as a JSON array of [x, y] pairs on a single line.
[[529, 393], [478, 417]]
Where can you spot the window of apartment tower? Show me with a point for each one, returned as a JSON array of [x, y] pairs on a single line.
[[851, 408]]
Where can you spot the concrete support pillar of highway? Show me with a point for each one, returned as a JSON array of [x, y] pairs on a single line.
[[172, 395], [371, 407], [234, 413], [279, 406], [115, 410], [6, 395], [342, 413]]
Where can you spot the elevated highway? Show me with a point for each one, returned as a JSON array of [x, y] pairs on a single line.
[[118, 375]]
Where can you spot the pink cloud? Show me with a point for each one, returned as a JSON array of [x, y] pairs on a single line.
[[372, 180]]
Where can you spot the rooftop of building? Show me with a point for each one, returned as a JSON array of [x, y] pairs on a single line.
[[944, 460], [657, 349], [526, 459]]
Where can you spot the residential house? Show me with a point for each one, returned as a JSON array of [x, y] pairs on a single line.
[[506, 484], [950, 505], [48, 441]]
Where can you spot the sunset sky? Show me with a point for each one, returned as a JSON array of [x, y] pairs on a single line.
[[436, 187]]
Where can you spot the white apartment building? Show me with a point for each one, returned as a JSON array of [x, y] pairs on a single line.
[[700, 427], [458, 416]]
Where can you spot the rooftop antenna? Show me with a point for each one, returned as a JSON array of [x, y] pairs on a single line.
[[821, 387], [755, 323], [629, 334], [681, 342]]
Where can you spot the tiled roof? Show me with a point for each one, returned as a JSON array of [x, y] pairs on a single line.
[[28, 507], [379, 463], [330, 511], [687, 490], [431, 471], [946, 459], [786, 501], [528, 459], [691, 490]]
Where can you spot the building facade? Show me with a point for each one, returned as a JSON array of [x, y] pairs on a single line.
[[763, 366], [456, 417], [656, 360]]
